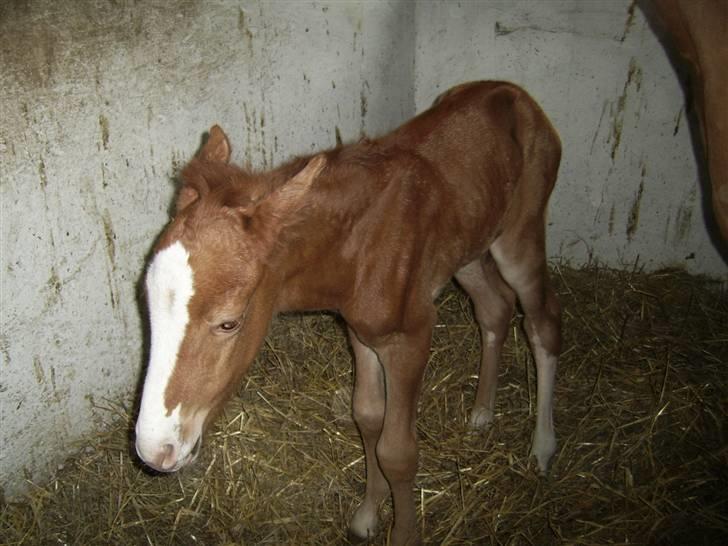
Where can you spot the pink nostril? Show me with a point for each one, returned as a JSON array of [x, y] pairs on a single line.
[[167, 457], [164, 461]]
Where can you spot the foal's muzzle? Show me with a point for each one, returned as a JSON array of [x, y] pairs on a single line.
[[166, 458]]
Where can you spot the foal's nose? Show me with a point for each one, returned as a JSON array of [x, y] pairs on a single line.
[[163, 460], [166, 457]]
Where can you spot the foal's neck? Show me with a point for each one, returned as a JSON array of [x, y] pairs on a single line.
[[315, 259]]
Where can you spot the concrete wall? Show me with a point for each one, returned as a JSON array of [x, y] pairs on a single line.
[[101, 102]]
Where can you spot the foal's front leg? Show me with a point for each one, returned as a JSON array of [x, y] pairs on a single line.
[[368, 403], [404, 358]]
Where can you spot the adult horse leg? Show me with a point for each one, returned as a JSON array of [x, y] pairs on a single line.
[[715, 131]]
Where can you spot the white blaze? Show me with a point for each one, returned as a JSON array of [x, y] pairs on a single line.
[[169, 290]]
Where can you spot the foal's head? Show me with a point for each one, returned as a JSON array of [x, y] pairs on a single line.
[[210, 294]]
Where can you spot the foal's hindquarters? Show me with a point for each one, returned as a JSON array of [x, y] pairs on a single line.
[[510, 266]]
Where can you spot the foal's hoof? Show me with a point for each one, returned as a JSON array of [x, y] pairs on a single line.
[[353, 538], [543, 449], [480, 418], [363, 527]]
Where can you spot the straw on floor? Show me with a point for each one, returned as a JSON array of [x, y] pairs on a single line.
[[641, 414]]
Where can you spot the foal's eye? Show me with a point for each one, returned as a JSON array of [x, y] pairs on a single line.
[[228, 326]]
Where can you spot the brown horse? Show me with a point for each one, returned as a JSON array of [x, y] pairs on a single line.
[[698, 30], [373, 231]]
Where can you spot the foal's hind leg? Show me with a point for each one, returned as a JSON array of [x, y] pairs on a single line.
[[522, 263], [493, 303]]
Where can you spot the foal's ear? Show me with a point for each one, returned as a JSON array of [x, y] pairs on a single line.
[[185, 197], [291, 192], [277, 210], [194, 184], [217, 146]]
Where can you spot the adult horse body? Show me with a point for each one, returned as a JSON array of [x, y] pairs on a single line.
[[372, 230], [698, 30]]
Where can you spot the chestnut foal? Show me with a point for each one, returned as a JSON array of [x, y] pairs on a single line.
[[373, 230]]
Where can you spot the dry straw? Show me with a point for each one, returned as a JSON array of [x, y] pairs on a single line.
[[641, 405]]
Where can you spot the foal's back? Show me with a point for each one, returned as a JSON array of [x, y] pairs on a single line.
[[482, 160]]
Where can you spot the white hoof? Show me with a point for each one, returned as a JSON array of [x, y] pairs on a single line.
[[365, 523], [544, 446], [480, 418]]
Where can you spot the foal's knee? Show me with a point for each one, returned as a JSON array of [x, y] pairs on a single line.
[[368, 415]]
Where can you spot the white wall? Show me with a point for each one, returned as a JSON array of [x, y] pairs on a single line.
[[101, 102]]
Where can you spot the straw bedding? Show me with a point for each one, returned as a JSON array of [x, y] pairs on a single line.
[[641, 403]]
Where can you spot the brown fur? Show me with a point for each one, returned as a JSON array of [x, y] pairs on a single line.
[[698, 30]]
